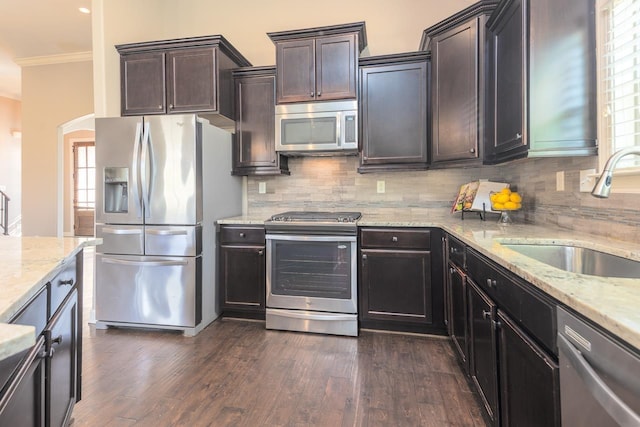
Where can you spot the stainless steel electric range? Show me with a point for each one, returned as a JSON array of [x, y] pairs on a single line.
[[312, 272]]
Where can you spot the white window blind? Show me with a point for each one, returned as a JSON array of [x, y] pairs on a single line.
[[619, 61]]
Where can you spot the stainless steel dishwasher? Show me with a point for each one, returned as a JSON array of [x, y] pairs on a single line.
[[599, 378]]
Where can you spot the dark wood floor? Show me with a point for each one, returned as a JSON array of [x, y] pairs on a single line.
[[236, 373]]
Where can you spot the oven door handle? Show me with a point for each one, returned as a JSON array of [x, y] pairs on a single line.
[[308, 315], [307, 238]]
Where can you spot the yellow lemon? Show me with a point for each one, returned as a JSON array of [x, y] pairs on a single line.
[[493, 197], [505, 191], [515, 198], [518, 205], [498, 206], [502, 198], [509, 206]]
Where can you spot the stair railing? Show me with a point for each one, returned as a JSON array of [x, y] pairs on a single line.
[[4, 213]]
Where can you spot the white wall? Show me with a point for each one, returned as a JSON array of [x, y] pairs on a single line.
[[392, 27], [51, 95], [10, 152]]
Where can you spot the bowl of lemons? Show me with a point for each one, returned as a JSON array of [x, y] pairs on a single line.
[[505, 201]]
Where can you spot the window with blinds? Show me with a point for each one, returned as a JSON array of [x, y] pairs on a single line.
[[619, 71]]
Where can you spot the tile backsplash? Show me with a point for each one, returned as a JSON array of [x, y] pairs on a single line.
[[332, 183]]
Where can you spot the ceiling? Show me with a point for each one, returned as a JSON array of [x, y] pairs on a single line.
[[35, 28]]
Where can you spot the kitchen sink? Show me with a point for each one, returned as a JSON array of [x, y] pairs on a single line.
[[581, 260]]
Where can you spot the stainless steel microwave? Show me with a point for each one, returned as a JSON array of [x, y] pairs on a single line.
[[319, 128]]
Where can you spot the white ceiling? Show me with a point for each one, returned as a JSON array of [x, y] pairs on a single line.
[[35, 28]]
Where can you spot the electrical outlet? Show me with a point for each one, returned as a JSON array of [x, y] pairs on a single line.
[[587, 180], [262, 187], [380, 187], [560, 181]]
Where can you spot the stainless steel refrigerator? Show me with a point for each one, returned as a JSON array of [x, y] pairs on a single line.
[[162, 182]]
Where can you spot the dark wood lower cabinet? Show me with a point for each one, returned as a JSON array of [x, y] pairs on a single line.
[[399, 287], [242, 271], [62, 364], [529, 379], [458, 312], [482, 349], [22, 403]]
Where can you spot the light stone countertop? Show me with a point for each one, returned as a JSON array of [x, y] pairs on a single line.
[[26, 265], [613, 303]]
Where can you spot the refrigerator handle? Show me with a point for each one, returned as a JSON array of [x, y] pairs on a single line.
[[135, 175], [143, 170]]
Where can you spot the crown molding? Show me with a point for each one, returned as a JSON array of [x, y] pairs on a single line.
[[55, 59]]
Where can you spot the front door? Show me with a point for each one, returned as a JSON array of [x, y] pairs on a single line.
[[84, 202]]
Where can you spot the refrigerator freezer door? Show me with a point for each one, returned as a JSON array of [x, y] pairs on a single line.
[[173, 240], [117, 163], [160, 291], [171, 172], [120, 239]]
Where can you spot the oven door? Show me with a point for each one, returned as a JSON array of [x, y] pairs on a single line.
[[315, 273]]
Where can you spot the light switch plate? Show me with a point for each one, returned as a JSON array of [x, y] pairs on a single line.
[[560, 181], [262, 187], [380, 187]]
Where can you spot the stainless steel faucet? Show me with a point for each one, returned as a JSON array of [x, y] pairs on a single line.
[[603, 186]]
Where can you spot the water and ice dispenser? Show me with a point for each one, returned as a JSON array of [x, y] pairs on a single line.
[[116, 190]]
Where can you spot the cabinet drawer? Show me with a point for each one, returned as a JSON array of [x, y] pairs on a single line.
[[395, 238], [456, 252], [241, 235], [61, 285], [34, 312], [530, 309]]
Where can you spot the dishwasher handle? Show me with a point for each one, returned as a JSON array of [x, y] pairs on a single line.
[[615, 407]]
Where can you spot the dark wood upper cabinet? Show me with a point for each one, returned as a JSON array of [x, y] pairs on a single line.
[[254, 141], [542, 86], [318, 64], [393, 112], [179, 76], [458, 85]]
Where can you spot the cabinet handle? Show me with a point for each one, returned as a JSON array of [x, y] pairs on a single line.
[[492, 283], [159, 107], [171, 106], [486, 314], [68, 282], [319, 93], [394, 239], [453, 250], [364, 257], [260, 252], [518, 135], [57, 340], [473, 150], [242, 235], [312, 93]]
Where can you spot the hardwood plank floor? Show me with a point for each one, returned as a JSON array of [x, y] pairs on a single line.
[[236, 373]]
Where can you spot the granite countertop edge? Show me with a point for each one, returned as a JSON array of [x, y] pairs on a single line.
[[609, 302], [21, 284]]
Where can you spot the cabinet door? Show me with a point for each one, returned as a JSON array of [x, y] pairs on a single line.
[[394, 114], [529, 379], [295, 71], [482, 348], [509, 80], [455, 81], [396, 286], [22, 403], [336, 67], [458, 316], [191, 80], [62, 345], [142, 89], [254, 148], [242, 278]]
